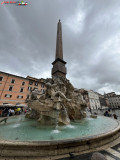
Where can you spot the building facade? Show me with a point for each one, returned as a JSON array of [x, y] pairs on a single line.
[[36, 84], [103, 101], [114, 100], [91, 98], [16, 89]]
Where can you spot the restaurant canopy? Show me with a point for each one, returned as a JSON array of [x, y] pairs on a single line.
[[13, 105], [21, 105], [7, 105]]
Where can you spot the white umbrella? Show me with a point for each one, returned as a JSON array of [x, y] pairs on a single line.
[[7, 105], [21, 105]]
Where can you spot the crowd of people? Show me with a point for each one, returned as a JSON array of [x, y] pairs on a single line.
[[109, 114], [4, 112], [11, 111]]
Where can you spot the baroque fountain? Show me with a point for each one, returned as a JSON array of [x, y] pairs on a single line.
[[60, 102], [57, 124]]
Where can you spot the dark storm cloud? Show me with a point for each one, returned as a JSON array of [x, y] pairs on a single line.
[[91, 38]]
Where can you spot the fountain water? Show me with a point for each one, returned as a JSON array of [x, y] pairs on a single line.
[[65, 112], [56, 122]]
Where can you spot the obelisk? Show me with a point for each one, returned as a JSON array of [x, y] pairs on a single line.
[[59, 69]]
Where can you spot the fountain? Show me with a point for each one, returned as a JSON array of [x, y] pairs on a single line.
[[59, 98], [57, 124]]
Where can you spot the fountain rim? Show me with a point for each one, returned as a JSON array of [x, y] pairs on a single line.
[[64, 141]]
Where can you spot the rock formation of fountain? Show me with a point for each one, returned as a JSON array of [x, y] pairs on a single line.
[[60, 103]]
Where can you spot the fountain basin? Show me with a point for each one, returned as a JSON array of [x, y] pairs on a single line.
[[17, 148]]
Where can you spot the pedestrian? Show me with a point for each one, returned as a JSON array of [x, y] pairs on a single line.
[[12, 112], [1, 112], [115, 116], [109, 109], [25, 111], [9, 112]]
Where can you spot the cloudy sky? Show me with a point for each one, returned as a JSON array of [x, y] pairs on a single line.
[[91, 40]]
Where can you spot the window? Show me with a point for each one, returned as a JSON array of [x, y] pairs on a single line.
[[8, 95], [36, 83], [23, 83], [21, 89], [10, 88], [30, 88], [1, 78], [20, 97], [30, 82], [12, 81], [42, 85], [42, 91]]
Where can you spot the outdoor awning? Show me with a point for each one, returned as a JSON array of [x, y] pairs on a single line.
[[21, 105], [7, 105]]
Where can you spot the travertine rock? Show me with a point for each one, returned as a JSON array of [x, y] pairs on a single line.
[[60, 102], [93, 116]]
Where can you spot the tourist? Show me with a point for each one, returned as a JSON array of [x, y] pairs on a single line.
[[25, 111], [106, 113], [21, 109], [109, 114], [18, 111], [12, 112], [9, 111], [115, 116], [5, 112], [1, 112]]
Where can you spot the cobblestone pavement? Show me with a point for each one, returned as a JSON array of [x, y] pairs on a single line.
[[110, 154]]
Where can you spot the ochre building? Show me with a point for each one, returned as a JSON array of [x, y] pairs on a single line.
[[16, 89]]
